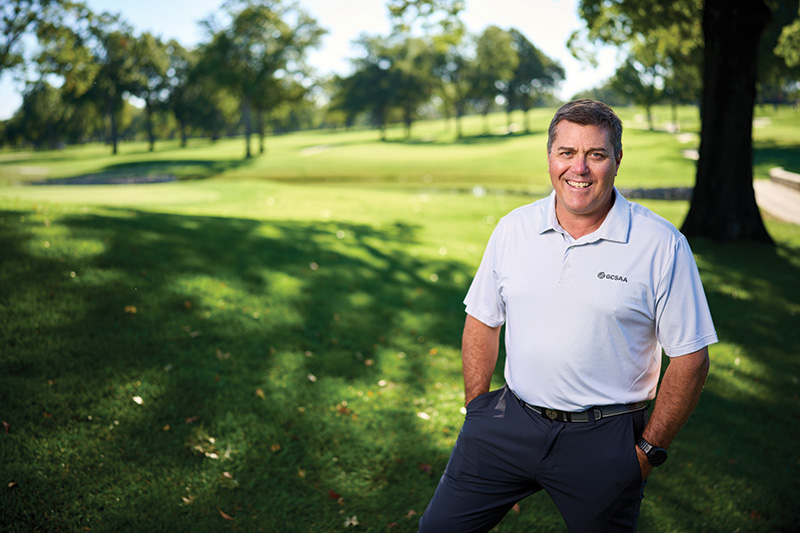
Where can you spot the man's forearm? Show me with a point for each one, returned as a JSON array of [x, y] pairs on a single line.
[[677, 398], [479, 348]]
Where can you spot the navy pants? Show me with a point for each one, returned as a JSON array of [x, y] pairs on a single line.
[[506, 452]]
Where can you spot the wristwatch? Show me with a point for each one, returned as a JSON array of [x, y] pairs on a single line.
[[655, 455]]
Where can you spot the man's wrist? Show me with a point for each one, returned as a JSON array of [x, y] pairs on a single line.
[[656, 455]]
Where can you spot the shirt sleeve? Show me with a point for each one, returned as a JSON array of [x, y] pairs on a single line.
[[484, 300], [683, 319]]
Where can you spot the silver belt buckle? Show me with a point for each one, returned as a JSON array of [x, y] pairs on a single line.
[[551, 414]]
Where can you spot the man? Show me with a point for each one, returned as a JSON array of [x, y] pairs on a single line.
[[590, 287]]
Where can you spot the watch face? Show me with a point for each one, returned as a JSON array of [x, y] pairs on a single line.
[[657, 456]]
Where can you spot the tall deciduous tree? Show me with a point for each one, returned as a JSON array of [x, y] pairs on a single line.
[[150, 78], [535, 75], [95, 57], [19, 17], [495, 63], [723, 205], [371, 86], [455, 72], [638, 82], [265, 41]]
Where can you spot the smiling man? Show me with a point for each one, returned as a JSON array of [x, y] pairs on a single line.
[[591, 288]]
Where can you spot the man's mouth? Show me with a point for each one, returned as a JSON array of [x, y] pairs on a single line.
[[578, 184]]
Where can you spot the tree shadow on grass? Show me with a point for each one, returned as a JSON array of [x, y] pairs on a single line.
[[771, 154], [149, 172], [218, 326], [737, 455], [481, 138]]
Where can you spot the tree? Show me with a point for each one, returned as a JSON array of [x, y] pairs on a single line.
[[40, 118], [495, 62], [413, 79], [723, 205], [197, 101], [534, 75], [95, 58], [150, 78], [432, 13], [638, 82], [455, 72], [370, 87], [265, 41], [18, 17]]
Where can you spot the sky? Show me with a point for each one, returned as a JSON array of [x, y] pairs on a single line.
[[546, 23]]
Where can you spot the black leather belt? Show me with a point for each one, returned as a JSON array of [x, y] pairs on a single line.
[[595, 413]]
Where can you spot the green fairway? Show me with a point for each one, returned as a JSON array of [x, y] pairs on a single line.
[[274, 344]]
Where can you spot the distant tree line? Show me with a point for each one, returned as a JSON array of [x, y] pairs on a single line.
[[93, 78]]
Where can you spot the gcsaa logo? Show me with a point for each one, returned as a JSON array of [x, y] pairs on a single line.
[[612, 277]]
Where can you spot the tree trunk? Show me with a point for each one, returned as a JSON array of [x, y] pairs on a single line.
[[113, 117], [260, 126], [676, 127], [248, 126], [149, 119], [527, 120], [723, 205]]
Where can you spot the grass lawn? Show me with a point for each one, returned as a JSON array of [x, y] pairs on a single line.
[[273, 345]]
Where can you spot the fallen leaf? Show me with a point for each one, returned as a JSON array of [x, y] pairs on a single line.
[[224, 515], [192, 419], [47, 415], [6, 427], [13, 484], [301, 473], [434, 351], [275, 448], [260, 394], [223, 355], [188, 305], [425, 468], [131, 309], [312, 378], [333, 495], [227, 475], [351, 521], [411, 513], [515, 508], [138, 400], [227, 454], [166, 427]]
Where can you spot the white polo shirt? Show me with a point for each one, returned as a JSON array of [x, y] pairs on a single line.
[[586, 319]]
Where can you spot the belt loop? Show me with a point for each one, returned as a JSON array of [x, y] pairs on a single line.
[[592, 415]]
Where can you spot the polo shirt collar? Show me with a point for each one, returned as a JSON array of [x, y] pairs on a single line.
[[614, 228]]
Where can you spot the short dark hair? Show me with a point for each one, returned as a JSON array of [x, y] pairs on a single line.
[[588, 113]]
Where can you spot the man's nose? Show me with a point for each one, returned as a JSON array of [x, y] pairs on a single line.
[[579, 166]]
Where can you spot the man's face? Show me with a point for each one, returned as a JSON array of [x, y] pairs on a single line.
[[582, 167]]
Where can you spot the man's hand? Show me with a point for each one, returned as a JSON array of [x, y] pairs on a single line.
[[644, 464]]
